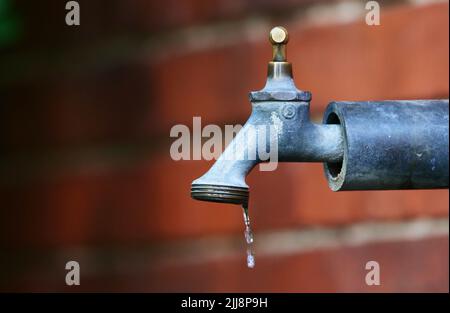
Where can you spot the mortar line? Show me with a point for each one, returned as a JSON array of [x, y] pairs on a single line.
[[267, 243], [293, 241]]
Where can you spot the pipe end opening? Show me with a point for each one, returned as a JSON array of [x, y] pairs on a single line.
[[333, 168]]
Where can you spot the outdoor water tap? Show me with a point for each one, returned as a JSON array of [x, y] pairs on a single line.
[[363, 145]]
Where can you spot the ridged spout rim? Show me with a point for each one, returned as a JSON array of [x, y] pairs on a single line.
[[220, 193]]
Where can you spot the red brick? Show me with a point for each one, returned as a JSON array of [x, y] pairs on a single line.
[[112, 107], [133, 105], [141, 203], [314, 203], [151, 15], [405, 266], [131, 102], [150, 201], [43, 24], [397, 60], [125, 105], [335, 270]]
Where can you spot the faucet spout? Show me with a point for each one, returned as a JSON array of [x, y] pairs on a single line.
[[225, 181]]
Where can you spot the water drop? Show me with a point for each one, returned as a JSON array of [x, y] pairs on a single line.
[[250, 258]]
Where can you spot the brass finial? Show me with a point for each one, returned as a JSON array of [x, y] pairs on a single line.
[[278, 37], [280, 85]]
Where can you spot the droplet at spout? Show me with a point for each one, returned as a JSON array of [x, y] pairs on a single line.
[[246, 217]]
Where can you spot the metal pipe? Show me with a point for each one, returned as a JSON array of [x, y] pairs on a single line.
[[390, 145]]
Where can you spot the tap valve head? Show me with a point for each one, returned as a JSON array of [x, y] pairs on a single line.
[[280, 85], [278, 37]]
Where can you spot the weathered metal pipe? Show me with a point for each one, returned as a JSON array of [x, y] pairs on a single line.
[[363, 145], [390, 145]]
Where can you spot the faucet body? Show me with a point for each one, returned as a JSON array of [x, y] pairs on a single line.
[[290, 130], [363, 145]]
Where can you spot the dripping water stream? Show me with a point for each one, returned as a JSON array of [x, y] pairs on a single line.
[[248, 237]]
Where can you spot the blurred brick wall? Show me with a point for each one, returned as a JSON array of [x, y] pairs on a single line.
[[86, 173]]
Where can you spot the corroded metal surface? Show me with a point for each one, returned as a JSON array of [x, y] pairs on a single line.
[[390, 145]]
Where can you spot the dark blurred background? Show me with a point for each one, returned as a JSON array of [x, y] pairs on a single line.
[[85, 169]]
